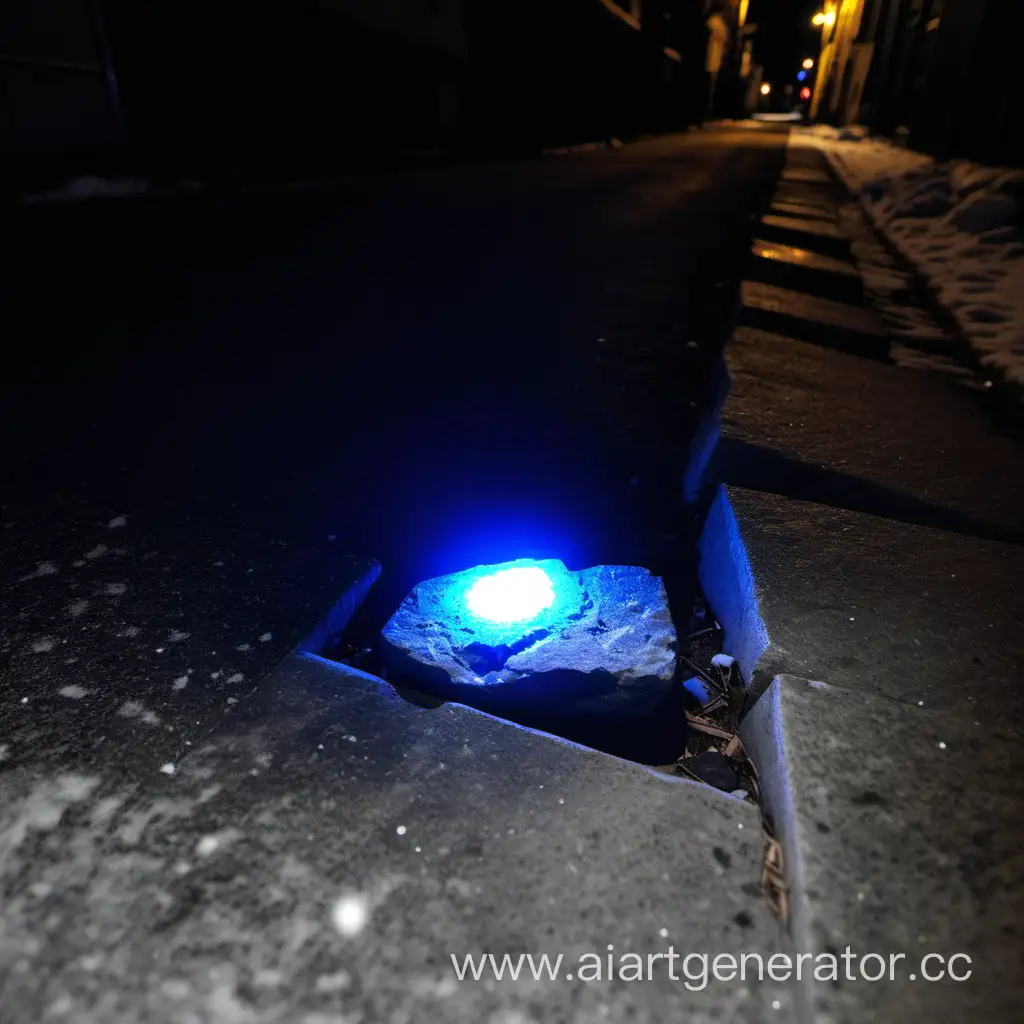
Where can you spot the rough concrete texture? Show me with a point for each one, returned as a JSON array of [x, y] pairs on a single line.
[[792, 267], [325, 851], [901, 830], [136, 648], [832, 427], [866, 603], [820, 235], [607, 645], [811, 318]]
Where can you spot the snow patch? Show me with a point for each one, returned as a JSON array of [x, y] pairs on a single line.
[[73, 692], [78, 607], [97, 552], [117, 521], [44, 646], [959, 223], [115, 589]]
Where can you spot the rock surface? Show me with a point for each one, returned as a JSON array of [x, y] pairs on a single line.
[[607, 645]]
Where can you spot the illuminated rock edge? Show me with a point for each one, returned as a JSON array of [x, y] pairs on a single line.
[[607, 645]]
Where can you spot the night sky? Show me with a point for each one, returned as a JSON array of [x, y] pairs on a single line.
[[784, 37]]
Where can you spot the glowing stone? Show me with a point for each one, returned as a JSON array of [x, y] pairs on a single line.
[[535, 636], [511, 595]]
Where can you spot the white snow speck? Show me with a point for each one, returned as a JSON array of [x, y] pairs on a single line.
[[115, 589], [77, 608], [135, 709], [265, 637], [942, 746], [42, 569], [78, 563], [168, 769], [44, 646], [73, 692], [24, 700], [663, 933], [117, 521], [236, 678], [210, 844], [723, 661], [401, 830], [776, 1005], [160, 650], [216, 675], [243, 648], [333, 982], [740, 825], [180, 683], [350, 914], [176, 636], [232, 700], [351, 739], [97, 552]]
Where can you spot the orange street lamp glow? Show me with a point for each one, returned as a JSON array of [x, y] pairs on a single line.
[[818, 19], [808, 64], [765, 89]]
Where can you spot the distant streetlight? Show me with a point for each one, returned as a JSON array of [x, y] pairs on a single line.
[[818, 19], [824, 18], [808, 64], [765, 89]]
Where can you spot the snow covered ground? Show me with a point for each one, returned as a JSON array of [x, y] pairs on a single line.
[[960, 224]]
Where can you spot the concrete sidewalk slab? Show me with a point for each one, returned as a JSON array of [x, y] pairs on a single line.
[[901, 832], [831, 427], [802, 270], [912, 614], [326, 850], [810, 318], [821, 235], [808, 175], [803, 208]]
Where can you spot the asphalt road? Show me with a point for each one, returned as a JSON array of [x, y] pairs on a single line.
[[435, 369]]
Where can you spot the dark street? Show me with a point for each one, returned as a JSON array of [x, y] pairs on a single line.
[[415, 365]]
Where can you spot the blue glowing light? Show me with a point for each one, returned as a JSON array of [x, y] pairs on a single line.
[[511, 595], [801, 75]]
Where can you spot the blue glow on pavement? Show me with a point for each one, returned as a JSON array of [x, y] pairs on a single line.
[[511, 595]]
